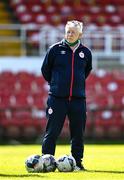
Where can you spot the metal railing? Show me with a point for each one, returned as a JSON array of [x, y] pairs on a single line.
[[34, 40]]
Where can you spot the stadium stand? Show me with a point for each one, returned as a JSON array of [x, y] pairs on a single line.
[[21, 106], [45, 19], [55, 13], [24, 108], [107, 104], [23, 94]]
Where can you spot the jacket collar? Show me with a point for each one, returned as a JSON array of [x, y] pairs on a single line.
[[64, 44]]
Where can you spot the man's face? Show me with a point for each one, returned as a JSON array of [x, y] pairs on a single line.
[[72, 34]]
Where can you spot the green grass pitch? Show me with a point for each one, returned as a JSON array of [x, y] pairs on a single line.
[[103, 162]]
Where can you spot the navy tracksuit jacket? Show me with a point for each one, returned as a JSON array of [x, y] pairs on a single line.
[[66, 71]]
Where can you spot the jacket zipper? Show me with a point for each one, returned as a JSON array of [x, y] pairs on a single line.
[[72, 76]]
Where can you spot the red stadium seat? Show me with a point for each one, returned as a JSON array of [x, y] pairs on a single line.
[[118, 100], [5, 99], [39, 100], [21, 100]]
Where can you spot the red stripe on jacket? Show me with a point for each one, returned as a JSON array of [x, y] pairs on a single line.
[[72, 76]]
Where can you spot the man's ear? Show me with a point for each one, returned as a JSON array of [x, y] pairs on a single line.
[[80, 35]]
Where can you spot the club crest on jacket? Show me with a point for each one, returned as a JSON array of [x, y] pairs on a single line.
[[50, 110], [81, 54]]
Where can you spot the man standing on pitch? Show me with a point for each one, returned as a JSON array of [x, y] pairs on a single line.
[[66, 66]]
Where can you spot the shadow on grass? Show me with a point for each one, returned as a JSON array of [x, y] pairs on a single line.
[[42, 176], [21, 175], [102, 171]]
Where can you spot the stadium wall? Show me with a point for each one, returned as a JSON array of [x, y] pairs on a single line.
[[15, 64]]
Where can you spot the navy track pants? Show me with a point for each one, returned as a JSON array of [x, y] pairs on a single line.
[[57, 109]]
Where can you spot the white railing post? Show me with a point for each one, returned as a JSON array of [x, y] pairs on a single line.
[[108, 44], [42, 42], [23, 41]]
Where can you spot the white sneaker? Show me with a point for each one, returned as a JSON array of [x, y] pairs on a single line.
[[77, 168]]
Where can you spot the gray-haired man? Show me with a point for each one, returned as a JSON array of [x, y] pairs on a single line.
[[66, 66]]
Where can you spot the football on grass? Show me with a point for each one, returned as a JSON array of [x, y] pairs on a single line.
[[34, 163], [66, 163], [49, 163]]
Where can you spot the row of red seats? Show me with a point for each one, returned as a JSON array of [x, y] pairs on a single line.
[[26, 89], [28, 129], [100, 75], [107, 87], [106, 104], [56, 13], [69, 2], [105, 129], [22, 81], [22, 90], [39, 101], [56, 19], [37, 14], [35, 112], [22, 100], [22, 129]]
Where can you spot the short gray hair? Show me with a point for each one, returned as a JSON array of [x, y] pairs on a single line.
[[76, 24]]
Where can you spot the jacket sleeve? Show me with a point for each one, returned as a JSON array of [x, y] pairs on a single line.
[[46, 68], [89, 65]]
